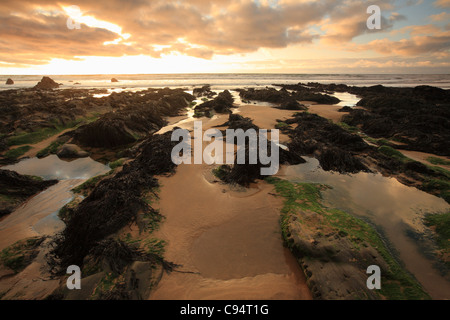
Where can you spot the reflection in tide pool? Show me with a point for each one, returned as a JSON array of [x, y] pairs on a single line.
[[52, 167], [39, 215], [347, 99], [388, 204]]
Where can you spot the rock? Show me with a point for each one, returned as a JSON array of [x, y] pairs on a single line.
[[345, 109], [221, 104], [245, 174], [423, 123], [9, 81], [291, 104], [16, 188], [46, 84], [204, 91], [71, 151], [114, 80], [335, 148], [114, 202]]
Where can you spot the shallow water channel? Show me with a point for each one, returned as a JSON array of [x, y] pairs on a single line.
[[38, 216]]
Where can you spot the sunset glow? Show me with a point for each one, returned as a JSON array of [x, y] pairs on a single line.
[[285, 36]]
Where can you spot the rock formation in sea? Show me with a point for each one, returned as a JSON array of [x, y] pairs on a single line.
[[46, 83], [9, 81]]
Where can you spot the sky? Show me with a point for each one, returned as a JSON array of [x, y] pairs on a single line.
[[214, 36]]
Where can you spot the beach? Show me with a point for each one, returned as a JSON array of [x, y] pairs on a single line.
[[192, 231]]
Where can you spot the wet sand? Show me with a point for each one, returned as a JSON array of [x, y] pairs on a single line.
[[38, 215], [228, 241], [422, 157], [232, 245], [327, 111], [265, 117]]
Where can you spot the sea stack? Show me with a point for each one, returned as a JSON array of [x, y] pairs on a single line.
[[46, 83], [9, 81], [114, 80]]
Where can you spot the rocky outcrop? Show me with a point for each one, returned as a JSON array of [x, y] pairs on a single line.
[[114, 80], [138, 116], [9, 81], [245, 174], [291, 104], [336, 149], [114, 203], [138, 272], [46, 83], [16, 188], [267, 95], [221, 104], [416, 117], [204, 91], [285, 99], [419, 124], [336, 249], [334, 269], [345, 109], [119, 128]]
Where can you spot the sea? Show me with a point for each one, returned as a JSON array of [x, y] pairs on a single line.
[[224, 81]]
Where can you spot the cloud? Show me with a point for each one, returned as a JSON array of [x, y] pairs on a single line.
[[35, 31], [415, 46], [349, 20], [442, 3], [443, 16]]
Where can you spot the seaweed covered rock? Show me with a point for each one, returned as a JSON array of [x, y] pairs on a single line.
[[138, 115], [117, 255], [223, 103], [285, 98], [246, 173], [291, 104], [335, 148], [119, 128], [46, 83], [204, 91], [117, 270], [419, 124], [335, 159], [345, 109], [267, 95], [16, 188], [21, 254], [114, 203], [236, 121]]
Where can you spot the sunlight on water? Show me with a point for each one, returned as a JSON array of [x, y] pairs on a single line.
[[52, 167]]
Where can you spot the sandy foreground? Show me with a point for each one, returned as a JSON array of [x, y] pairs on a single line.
[[228, 241]]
